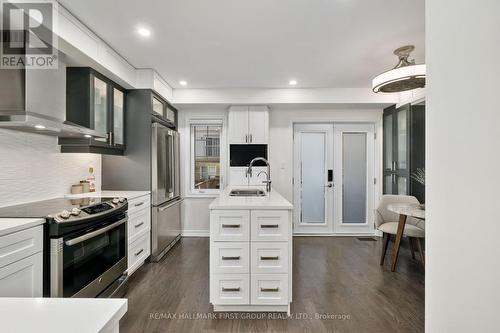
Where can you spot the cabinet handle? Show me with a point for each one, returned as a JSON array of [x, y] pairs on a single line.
[[139, 204], [138, 225], [139, 252], [231, 258], [231, 289], [246, 138], [270, 289], [269, 226], [233, 226], [251, 138], [269, 258]]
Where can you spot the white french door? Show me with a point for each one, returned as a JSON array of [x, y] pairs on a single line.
[[313, 157], [334, 178]]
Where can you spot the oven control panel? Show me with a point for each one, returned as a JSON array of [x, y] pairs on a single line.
[[89, 210]]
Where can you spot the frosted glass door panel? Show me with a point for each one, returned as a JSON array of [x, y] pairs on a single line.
[[402, 186], [118, 127], [354, 177], [388, 186], [100, 107], [388, 132], [313, 177], [402, 117]]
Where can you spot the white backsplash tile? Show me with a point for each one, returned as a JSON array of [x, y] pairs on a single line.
[[33, 168]]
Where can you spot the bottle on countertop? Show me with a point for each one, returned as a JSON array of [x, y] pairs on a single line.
[[91, 179]]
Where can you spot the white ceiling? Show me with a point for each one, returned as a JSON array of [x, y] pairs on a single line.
[[259, 43]]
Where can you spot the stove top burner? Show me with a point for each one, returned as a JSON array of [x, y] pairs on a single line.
[[63, 210]]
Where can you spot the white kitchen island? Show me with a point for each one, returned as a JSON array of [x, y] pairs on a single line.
[[251, 252]]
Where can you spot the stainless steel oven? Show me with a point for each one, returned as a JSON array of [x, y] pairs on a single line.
[[87, 262]]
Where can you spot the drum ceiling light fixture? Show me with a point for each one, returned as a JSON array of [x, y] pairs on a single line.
[[405, 76]]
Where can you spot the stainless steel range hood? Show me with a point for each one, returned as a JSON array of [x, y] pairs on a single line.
[[34, 100], [42, 124]]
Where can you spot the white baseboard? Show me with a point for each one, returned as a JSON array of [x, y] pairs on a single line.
[[206, 233], [330, 234], [195, 233]]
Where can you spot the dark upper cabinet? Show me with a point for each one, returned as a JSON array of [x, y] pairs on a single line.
[[404, 149], [163, 111], [93, 101]]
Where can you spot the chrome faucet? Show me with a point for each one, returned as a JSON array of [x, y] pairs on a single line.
[[268, 173]]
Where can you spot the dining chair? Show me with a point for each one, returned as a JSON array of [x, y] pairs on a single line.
[[387, 222]]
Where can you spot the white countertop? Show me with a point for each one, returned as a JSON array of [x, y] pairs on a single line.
[[76, 315], [125, 194], [10, 225], [272, 200]]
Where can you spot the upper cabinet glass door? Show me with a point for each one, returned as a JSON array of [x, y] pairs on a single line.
[[100, 106], [118, 128], [158, 107]]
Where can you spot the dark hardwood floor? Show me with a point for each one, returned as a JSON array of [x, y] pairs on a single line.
[[338, 278]]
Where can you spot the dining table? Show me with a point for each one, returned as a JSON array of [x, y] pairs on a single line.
[[405, 210]]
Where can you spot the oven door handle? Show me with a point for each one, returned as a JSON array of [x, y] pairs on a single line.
[[94, 233]]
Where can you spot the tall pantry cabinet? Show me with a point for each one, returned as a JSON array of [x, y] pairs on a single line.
[[404, 149]]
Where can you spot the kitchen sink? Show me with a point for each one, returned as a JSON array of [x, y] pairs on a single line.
[[247, 193]]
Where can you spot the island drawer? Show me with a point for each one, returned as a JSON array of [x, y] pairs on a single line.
[[269, 289], [230, 257], [270, 225], [230, 225], [230, 289], [269, 257]]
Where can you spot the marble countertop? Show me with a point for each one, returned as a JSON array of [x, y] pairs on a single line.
[[107, 193], [412, 210], [272, 200], [10, 225], [61, 315]]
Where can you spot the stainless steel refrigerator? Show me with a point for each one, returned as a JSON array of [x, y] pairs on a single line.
[[150, 162], [165, 190]]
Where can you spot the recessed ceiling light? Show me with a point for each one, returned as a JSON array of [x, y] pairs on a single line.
[[292, 82], [144, 32], [40, 127], [183, 83]]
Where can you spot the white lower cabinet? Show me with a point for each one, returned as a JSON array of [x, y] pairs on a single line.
[[269, 289], [251, 270], [227, 289], [21, 263], [230, 257], [22, 278], [138, 251], [269, 257], [138, 232]]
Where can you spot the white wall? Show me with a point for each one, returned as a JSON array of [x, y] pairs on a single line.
[[195, 210], [195, 216], [463, 166], [32, 168]]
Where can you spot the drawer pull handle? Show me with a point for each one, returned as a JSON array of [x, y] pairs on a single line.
[[231, 258], [234, 226], [269, 226], [139, 252], [269, 258], [231, 289], [269, 289], [138, 225], [139, 204]]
